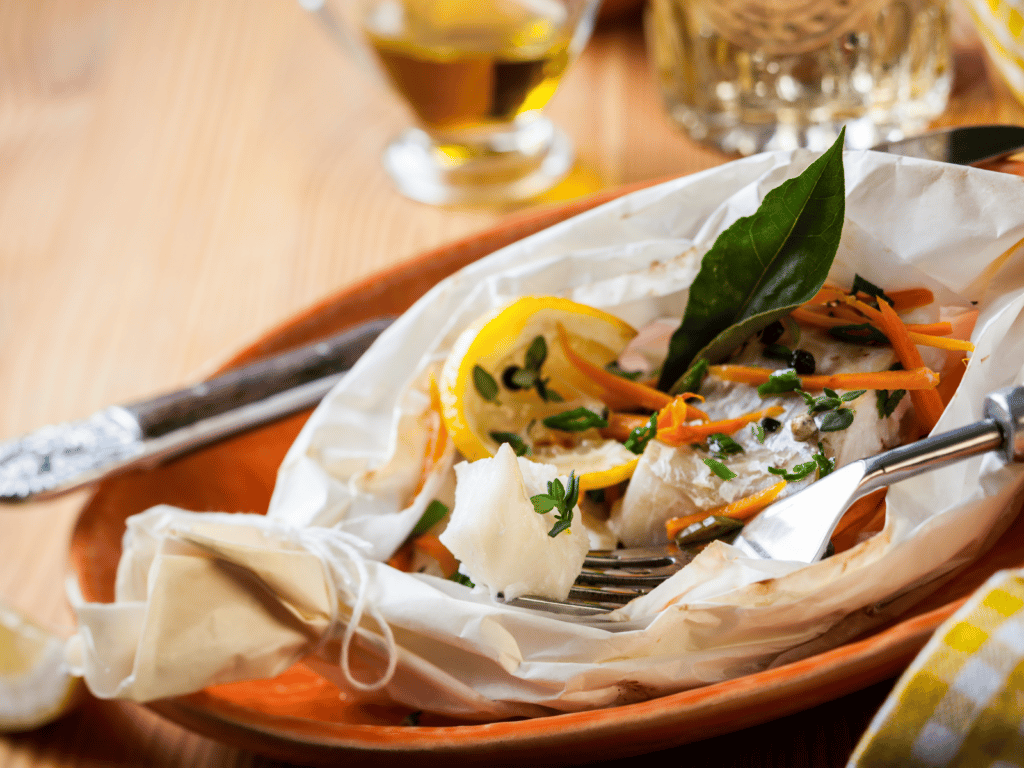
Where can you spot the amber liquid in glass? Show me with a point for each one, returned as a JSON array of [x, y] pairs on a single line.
[[481, 69]]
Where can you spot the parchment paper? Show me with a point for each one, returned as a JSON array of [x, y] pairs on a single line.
[[207, 598]]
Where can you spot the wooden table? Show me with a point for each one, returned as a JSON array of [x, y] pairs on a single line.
[[177, 176]]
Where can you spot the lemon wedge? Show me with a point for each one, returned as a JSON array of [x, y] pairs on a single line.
[[494, 390], [35, 686]]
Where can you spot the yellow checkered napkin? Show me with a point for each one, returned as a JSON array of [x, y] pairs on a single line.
[[961, 702], [1000, 24]]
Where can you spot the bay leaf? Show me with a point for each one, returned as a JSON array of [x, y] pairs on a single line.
[[762, 266]]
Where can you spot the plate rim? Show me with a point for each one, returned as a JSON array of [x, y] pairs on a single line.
[[706, 712]]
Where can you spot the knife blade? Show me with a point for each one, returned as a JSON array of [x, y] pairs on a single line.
[[965, 145], [60, 458]]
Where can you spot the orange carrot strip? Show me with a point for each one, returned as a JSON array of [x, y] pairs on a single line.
[[826, 294], [618, 393], [429, 544], [817, 319], [673, 432], [910, 298], [918, 378], [677, 524], [748, 506], [402, 559], [741, 509], [621, 424], [927, 403]]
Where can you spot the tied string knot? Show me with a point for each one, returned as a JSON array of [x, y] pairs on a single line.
[[343, 557]]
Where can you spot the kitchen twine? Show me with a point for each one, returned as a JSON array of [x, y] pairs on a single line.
[[342, 557]]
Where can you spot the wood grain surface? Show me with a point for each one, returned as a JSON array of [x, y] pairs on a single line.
[[177, 176]]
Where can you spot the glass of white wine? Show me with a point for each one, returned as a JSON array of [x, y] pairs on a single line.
[[476, 75]]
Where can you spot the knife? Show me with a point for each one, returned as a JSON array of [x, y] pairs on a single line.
[[966, 145], [63, 457]]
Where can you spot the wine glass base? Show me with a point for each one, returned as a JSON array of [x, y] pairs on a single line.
[[491, 168]]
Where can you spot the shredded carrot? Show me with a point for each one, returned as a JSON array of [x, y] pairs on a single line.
[[616, 392], [918, 378], [674, 432], [402, 559], [741, 509], [927, 402], [621, 424], [429, 544], [748, 506], [919, 334], [910, 298], [925, 334], [826, 294]]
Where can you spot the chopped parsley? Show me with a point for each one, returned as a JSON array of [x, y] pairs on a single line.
[[758, 432], [561, 499], [836, 417], [780, 382], [887, 401], [576, 420], [799, 472], [721, 445], [517, 443], [641, 436], [858, 333], [860, 285], [720, 469], [431, 516]]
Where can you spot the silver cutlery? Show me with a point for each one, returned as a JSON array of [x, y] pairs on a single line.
[[798, 527], [62, 457]]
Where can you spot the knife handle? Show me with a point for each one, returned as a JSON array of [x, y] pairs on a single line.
[[256, 381]]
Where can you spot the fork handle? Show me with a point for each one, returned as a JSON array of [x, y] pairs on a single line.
[[1003, 428]]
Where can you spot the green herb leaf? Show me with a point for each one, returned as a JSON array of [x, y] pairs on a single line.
[[561, 499], [641, 436], [858, 333], [886, 402], [778, 352], [720, 444], [763, 266], [576, 420], [693, 378], [431, 516], [825, 464], [463, 579], [836, 421], [720, 469], [758, 432], [860, 285], [548, 395], [780, 382], [517, 443], [536, 354], [852, 395], [614, 367], [800, 471], [485, 385]]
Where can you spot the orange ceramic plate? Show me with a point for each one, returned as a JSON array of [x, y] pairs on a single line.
[[300, 717]]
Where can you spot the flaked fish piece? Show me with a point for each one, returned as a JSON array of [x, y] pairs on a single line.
[[674, 481]]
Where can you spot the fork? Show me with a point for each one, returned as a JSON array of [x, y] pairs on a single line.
[[798, 527]]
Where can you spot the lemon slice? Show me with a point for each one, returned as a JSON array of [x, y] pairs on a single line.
[[35, 686], [480, 399]]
